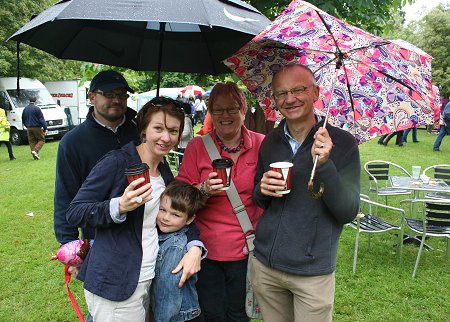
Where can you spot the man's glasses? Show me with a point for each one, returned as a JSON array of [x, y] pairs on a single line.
[[296, 91], [112, 95], [220, 111]]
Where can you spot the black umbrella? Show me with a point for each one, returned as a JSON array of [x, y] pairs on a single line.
[[191, 36]]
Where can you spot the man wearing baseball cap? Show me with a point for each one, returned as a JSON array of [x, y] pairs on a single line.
[[109, 125]]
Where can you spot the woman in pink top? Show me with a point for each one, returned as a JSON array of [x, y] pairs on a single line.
[[221, 281]]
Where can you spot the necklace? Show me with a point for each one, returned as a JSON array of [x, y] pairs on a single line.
[[231, 150]]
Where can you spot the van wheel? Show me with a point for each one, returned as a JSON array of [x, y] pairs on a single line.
[[16, 137]]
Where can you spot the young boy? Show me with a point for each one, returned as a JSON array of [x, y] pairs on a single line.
[[178, 204]]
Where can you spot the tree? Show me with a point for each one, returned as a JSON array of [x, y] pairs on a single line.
[[34, 63], [373, 16], [431, 34]]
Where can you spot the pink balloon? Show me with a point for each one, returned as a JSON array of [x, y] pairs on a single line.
[[72, 253]]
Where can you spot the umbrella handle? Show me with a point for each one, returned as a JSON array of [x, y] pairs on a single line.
[[312, 193]]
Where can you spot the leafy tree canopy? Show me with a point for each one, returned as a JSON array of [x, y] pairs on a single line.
[[432, 35]]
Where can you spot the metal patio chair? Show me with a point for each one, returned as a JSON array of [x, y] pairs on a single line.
[[367, 222], [379, 180], [435, 222], [438, 171]]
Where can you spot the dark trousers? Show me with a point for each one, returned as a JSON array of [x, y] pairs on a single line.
[[9, 147], [199, 116], [398, 139], [221, 290]]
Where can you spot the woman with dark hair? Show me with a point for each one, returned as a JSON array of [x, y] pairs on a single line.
[[222, 280], [119, 268]]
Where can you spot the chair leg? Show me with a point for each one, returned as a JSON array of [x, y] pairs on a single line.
[[418, 256], [402, 231], [446, 252], [355, 255]]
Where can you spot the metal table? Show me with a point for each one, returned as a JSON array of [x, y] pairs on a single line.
[[417, 186]]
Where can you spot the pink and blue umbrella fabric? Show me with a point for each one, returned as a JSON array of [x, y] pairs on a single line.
[[368, 86]]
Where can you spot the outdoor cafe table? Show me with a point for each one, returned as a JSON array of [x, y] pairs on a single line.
[[417, 186]]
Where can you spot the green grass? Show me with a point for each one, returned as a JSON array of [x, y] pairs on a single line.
[[32, 287]]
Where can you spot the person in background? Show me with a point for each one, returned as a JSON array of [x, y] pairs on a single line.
[[444, 127], [4, 133], [255, 120], [207, 125], [398, 139], [414, 135], [221, 283], [34, 121], [119, 268], [179, 203], [200, 109], [188, 131], [297, 236]]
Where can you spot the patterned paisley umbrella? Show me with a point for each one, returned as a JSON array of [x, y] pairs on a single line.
[[368, 86]]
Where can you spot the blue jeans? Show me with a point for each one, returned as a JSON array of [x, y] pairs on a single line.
[[221, 290], [414, 135], [443, 131]]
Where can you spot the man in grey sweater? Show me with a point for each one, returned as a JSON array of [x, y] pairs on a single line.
[[297, 236]]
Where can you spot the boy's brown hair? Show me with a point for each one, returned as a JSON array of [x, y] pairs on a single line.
[[184, 197]]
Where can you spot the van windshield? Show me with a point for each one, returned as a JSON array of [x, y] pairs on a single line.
[[22, 100]]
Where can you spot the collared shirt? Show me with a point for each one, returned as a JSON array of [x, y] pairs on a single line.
[[108, 127], [292, 141]]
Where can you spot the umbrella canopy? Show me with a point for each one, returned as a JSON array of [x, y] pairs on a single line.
[[193, 90], [368, 86], [191, 36]]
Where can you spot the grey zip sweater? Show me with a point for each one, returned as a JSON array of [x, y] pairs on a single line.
[[298, 234]]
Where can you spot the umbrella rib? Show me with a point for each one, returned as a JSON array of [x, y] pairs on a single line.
[[367, 47], [384, 73], [331, 34]]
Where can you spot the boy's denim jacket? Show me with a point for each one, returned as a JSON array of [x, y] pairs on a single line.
[[169, 302]]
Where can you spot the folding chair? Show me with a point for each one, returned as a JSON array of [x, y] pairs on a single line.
[[435, 222], [367, 222], [379, 181]]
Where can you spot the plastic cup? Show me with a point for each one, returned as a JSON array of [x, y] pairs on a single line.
[[285, 168], [138, 171], [416, 171], [223, 169]]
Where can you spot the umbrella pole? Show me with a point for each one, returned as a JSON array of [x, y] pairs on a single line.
[[18, 67], [162, 27], [312, 193]]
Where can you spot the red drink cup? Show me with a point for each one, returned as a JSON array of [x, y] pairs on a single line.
[[285, 168], [223, 169], [138, 171]]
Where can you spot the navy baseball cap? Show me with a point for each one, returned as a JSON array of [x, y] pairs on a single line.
[[108, 81]]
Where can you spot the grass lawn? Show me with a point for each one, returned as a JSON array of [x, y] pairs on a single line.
[[32, 287]]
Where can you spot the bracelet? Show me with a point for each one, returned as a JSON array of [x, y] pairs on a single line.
[[202, 189]]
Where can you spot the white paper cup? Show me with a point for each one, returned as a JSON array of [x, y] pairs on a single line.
[[416, 171], [285, 168]]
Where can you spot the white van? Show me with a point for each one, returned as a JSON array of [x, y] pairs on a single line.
[[68, 94], [14, 103]]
